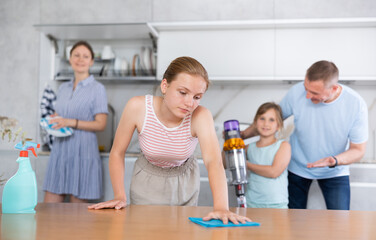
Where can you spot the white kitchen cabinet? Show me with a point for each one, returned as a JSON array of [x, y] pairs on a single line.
[[224, 53], [352, 49], [272, 50]]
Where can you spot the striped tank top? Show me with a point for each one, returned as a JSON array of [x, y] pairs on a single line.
[[162, 146]]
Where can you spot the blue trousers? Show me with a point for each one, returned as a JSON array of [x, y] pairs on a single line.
[[336, 191]]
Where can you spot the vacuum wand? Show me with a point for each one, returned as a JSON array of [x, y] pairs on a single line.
[[235, 159]]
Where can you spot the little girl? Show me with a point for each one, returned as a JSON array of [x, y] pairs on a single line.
[[268, 159]]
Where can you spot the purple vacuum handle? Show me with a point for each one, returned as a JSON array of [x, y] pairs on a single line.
[[231, 125]]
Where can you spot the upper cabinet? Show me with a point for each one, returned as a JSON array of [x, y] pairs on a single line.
[[228, 50], [226, 54], [352, 49], [264, 50], [256, 50]]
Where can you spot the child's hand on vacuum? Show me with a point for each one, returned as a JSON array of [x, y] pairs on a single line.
[[115, 203]]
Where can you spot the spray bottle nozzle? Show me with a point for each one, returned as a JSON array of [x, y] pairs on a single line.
[[24, 147]]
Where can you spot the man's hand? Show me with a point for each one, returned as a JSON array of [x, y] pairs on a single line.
[[324, 162]]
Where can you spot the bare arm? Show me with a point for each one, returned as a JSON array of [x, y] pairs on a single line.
[[203, 128], [123, 136], [99, 123], [353, 154], [211, 153], [280, 163], [223, 159]]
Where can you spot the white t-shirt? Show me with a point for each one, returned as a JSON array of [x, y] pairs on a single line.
[[323, 129]]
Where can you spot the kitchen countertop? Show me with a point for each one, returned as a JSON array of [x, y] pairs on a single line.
[[75, 221]]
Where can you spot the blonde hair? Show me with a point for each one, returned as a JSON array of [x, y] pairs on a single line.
[[185, 65], [267, 106]]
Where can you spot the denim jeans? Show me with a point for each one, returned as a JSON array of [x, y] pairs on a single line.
[[336, 191]]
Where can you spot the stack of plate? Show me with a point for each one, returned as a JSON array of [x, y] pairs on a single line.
[[124, 67], [121, 66], [145, 60], [143, 64]]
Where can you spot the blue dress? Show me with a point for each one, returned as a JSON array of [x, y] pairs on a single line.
[[75, 165]]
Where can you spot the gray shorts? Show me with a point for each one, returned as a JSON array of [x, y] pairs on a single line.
[[176, 186]]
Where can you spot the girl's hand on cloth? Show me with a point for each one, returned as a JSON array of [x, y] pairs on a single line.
[[117, 204], [225, 216]]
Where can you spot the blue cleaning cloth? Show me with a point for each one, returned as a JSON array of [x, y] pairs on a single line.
[[219, 223], [61, 132]]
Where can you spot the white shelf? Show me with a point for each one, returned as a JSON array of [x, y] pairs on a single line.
[[129, 37], [98, 31], [125, 79]]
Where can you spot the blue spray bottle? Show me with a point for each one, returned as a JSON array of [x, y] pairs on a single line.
[[20, 191]]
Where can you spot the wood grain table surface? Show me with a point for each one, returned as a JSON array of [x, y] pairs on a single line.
[[75, 221]]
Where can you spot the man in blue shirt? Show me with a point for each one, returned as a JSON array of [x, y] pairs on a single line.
[[331, 131]]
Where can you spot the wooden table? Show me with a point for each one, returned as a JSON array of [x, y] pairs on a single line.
[[74, 221]]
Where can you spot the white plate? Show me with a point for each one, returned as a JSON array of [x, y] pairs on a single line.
[[146, 59], [142, 65], [117, 64], [124, 67], [152, 62]]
